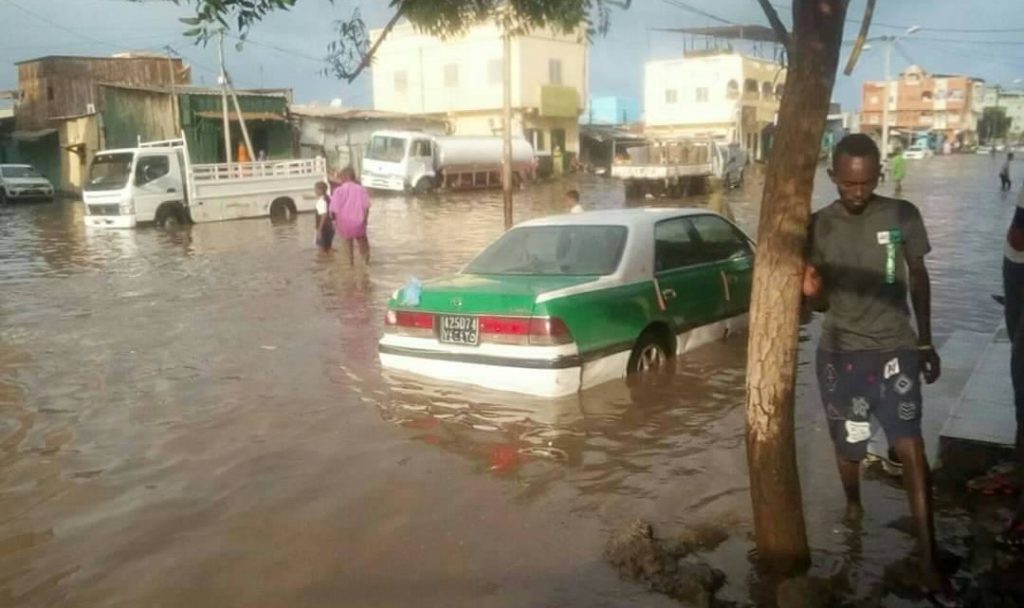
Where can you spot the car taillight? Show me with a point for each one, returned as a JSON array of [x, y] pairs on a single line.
[[410, 323], [537, 331], [549, 331]]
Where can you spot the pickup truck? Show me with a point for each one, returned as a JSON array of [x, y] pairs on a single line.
[[677, 167], [156, 183]]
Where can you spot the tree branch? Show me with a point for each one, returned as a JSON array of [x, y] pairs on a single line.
[[368, 57], [773, 19], [858, 46]]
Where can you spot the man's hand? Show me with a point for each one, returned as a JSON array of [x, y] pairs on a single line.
[[931, 365], [812, 282]]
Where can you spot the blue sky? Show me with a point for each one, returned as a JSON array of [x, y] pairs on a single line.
[[30, 28]]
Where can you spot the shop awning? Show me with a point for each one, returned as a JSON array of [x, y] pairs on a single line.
[[249, 116]]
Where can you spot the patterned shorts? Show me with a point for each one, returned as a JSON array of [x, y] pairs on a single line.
[[857, 385]]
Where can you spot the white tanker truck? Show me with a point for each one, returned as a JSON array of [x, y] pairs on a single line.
[[419, 162]]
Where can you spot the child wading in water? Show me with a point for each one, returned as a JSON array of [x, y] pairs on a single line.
[[324, 220], [350, 206]]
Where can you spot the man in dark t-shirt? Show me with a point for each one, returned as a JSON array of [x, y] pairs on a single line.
[[865, 254]]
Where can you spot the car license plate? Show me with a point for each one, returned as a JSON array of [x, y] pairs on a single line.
[[460, 330]]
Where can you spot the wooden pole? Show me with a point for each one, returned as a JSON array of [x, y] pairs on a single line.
[[779, 527], [224, 102], [506, 119], [241, 119]]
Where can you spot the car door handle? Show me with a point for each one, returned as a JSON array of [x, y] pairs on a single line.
[[668, 294]]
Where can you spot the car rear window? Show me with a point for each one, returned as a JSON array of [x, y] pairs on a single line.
[[553, 251]]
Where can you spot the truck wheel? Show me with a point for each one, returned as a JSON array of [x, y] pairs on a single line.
[[424, 186], [282, 210], [170, 217]]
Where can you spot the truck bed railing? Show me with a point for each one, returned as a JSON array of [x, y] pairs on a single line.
[[312, 167], [162, 143]]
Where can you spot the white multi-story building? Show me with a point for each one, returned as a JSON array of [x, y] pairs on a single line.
[[726, 95], [1012, 102], [461, 80]]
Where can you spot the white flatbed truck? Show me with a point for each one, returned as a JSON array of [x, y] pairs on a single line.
[[156, 183]]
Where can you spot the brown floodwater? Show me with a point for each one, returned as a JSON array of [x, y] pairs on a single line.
[[198, 418]]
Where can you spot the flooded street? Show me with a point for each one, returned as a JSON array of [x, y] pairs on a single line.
[[198, 418]]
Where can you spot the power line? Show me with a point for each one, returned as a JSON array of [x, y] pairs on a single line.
[[59, 26], [279, 49], [692, 9], [949, 30]]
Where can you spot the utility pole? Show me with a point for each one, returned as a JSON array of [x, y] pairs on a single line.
[[506, 160], [224, 101], [888, 41], [230, 88], [175, 110]]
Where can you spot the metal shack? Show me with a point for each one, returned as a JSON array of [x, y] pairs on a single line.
[[124, 114], [54, 88]]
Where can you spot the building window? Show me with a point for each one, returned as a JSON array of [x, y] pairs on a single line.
[[926, 95], [873, 100], [401, 81], [671, 96], [732, 90], [495, 71], [49, 92], [702, 94], [554, 71], [954, 118], [766, 90], [750, 87], [451, 75]]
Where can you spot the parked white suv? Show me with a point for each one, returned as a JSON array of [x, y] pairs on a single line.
[[23, 183]]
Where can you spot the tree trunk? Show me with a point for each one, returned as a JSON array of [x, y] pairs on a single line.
[[785, 211]]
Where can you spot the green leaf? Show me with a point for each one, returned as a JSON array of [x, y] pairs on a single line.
[[194, 31], [190, 20]]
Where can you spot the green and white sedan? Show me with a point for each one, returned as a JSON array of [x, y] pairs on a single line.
[[565, 303]]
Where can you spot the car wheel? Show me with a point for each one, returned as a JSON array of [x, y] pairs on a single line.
[[650, 354], [282, 210]]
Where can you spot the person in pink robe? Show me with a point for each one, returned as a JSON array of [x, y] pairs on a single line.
[[350, 205]]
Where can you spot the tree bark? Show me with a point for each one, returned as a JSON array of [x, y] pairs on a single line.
[[779, 528]]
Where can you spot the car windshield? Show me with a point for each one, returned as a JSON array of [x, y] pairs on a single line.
[[18, 172], [110, 171], [389, 149], [553, 250]]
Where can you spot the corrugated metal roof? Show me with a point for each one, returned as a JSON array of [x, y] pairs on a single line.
[[135, 56], [245, 115], [357, 114], [197, 90]]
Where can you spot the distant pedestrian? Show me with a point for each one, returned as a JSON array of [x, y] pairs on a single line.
[[324, 221], [1004, 173], [866, 253], [350, 206], [897, 170], [572, 201]]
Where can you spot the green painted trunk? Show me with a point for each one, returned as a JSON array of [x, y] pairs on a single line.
[[481, 294]]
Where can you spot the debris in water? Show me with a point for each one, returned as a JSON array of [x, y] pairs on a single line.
[[665, 566]]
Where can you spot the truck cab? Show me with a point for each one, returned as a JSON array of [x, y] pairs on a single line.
[[137, 185], [399, 161]]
